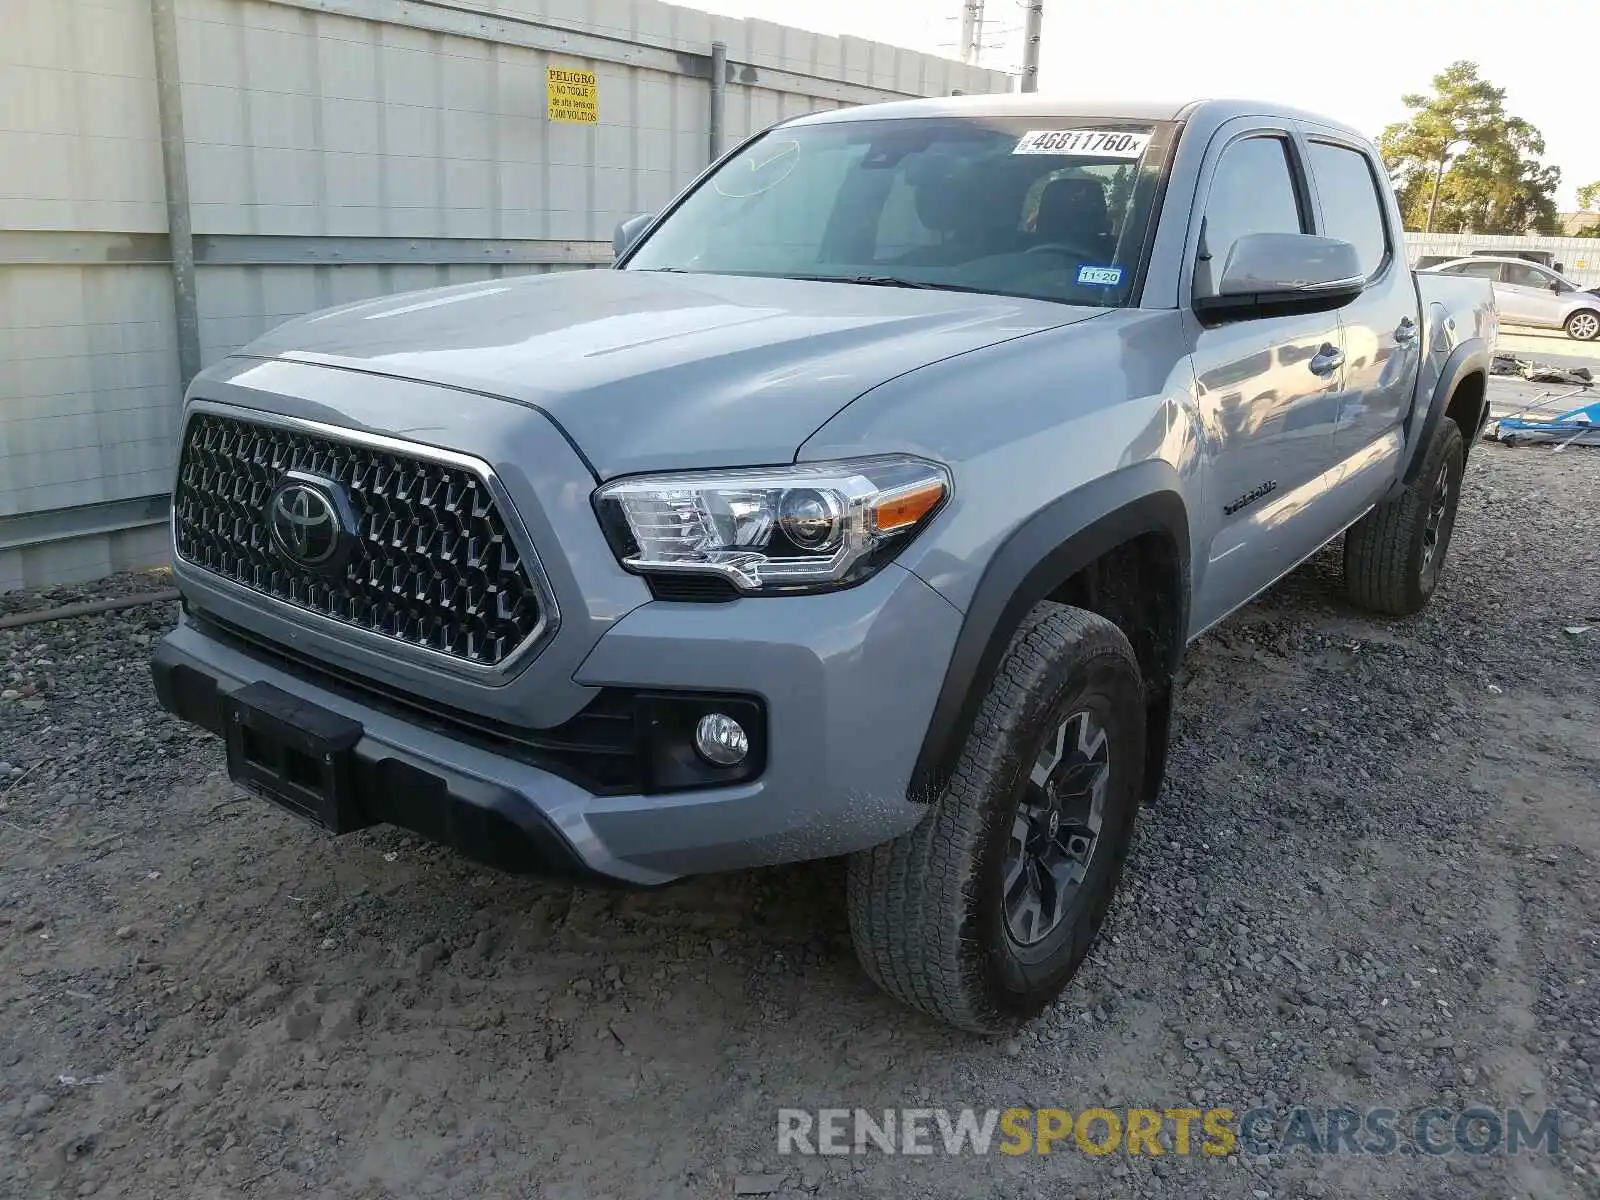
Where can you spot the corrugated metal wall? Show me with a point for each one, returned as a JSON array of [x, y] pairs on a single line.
[[333, 150], [1579, 256], [88, 366]]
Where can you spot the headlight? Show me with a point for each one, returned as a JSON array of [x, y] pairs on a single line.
[[807, 527]]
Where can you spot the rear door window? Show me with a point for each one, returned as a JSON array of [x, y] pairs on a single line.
[[1476, 270], [1351, 209]]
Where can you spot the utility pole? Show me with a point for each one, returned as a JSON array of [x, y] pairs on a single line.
[[971, 30], [1030, 45]]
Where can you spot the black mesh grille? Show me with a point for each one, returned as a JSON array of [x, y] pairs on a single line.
[[432, 563], [692, 587]]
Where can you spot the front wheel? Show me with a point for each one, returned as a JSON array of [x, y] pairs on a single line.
[[1393, 556], [981, 914], [1583, 326]]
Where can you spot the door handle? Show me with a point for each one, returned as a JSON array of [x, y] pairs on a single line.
[[1327, 360], [1406, 332]]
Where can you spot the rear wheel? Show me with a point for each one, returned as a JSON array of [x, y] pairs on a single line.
[[1584, 326], [1393, 556], [981, 914]]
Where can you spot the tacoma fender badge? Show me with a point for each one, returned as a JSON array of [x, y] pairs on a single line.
[[1250, 497]]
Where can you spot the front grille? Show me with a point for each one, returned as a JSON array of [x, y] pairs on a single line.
[[430, 562]]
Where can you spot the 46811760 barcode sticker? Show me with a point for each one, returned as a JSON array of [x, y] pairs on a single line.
[[1093, 143]]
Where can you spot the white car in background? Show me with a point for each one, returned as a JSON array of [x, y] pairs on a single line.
[[1528, 294]]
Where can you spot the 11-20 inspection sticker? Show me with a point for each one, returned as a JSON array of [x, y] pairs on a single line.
[[1092, 143]]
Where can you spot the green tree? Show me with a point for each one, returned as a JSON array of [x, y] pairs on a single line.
[[1589, 197], [1462, 165]]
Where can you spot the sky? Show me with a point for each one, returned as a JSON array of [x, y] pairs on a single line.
[[1349, 59]]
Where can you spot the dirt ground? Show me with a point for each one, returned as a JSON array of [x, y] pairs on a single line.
[[1372, 880]]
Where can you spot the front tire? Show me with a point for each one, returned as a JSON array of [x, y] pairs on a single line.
[[1394, 555], [1583, 326], [981, 914]]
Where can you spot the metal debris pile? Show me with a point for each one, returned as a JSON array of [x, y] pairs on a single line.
[[1540, 372]]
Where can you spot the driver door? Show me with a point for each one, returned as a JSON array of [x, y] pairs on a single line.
[[1268, 387]]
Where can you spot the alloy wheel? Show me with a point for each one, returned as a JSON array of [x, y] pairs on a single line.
[[1055, 833]]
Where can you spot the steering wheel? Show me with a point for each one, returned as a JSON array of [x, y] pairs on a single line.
[[1063, 248]]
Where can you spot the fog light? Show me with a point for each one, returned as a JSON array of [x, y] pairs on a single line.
[[721, 740]]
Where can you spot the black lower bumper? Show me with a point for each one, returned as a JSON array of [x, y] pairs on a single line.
[[483, 821]]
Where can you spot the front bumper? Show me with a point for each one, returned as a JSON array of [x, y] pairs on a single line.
[[848, 681]]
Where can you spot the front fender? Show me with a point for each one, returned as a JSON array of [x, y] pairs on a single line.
[[1038, 557]]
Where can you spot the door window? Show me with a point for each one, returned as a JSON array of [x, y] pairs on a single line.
[[1351, 210], [1526, 275], [1252, 191]]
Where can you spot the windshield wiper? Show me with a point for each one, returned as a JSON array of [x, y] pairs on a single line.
[[865, 280], [890, 281]]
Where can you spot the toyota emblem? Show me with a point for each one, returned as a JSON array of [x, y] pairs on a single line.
[[305, 523]]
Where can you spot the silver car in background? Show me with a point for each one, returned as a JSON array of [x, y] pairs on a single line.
[[1528, 294]]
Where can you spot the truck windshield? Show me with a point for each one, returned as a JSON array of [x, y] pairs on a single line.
[[1053, 208]]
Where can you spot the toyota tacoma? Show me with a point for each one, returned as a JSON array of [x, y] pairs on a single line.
[[864, 508]]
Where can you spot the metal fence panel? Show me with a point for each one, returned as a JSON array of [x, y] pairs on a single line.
[[88, 364], [87, 374], [79, 146]]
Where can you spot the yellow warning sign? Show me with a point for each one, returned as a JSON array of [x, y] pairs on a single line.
[[572, 95]]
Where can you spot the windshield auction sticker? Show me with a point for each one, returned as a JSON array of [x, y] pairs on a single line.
[[1090, 143]]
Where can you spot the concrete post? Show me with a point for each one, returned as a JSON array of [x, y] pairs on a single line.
[[719, 96], [175, 170]]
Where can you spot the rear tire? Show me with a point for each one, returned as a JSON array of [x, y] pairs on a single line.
[[981, 914], [1584, 325], [1394, 555]]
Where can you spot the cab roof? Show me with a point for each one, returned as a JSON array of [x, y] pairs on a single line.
[[1044, 106]]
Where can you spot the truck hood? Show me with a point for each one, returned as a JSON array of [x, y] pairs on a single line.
[[649, 370]]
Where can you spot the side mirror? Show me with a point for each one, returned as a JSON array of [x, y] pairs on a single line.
[[628, 233], [1277, 274]]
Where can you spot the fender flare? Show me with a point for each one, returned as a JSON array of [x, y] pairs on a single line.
[[1470, 356], [1040, 555]]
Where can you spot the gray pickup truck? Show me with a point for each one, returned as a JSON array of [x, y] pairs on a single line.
[[865, 508]]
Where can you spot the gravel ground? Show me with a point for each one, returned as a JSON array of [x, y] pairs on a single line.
[[1371, 881]]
